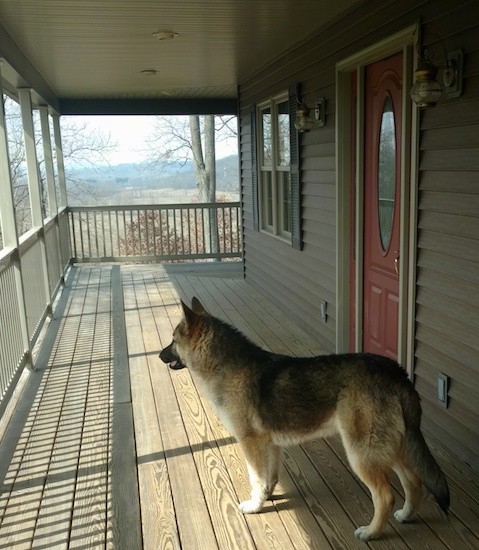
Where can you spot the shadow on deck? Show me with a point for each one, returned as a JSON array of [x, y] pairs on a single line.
[[109, 448]]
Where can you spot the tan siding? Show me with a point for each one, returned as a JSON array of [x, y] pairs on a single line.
[[447, 321]]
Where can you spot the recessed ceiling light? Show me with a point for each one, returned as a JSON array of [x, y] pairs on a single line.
[[165, 35], [148, 72]]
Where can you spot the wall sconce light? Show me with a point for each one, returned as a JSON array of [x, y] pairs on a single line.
[[304, 122], [427, 89]]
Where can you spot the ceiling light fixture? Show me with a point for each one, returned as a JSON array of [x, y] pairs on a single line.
[[165, 35]]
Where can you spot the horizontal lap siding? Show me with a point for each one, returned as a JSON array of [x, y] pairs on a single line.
[[447, 290], [447, 293]]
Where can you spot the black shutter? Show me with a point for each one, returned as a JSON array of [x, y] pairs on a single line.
[[296, 232], [254, 168]]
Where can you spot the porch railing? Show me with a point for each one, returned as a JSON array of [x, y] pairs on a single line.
[[165, 232], [30, 277]]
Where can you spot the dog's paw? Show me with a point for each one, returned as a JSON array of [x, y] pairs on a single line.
[[250, 506], [364, 533], [404, 516]]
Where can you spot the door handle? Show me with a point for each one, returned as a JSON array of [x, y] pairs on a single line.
[[396, 262]]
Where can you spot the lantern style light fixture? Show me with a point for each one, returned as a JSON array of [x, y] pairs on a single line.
[[304, 122], [427, 89]]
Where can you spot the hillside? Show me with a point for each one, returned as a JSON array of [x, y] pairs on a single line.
[[135, 182]]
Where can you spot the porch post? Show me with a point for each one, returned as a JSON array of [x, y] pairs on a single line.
[[34, 188], [51, 191], [47, 153], [9, 229], [60, 164]]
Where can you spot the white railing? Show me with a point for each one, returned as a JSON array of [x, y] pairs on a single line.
[[30, 277], [165, 232]]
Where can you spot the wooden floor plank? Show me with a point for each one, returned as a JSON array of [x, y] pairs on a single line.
[[157, 510], [194, 522], [124, 511], [89, 526]]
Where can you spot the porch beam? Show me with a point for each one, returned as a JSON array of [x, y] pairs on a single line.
[[176, 106]]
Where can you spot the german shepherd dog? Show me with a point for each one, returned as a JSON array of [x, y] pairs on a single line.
[[267, 401]]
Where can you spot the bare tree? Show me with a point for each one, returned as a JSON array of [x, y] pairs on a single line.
[[193, 138]]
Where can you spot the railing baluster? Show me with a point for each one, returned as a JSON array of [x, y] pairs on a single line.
[[103, 232], [160, 221], [182, 232], [74, 229], [230, 217], [195, 214], [153, 228], [175, 232], [223, 215], [189, 230], [132, 232], [111, 234], [167, 211], [96, 234], [147, 250], [88, 233]]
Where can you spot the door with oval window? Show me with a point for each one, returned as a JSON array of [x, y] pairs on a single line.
[[382, 185]]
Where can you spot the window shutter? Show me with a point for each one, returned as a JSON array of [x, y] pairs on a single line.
[[254, 168], [296, 231]]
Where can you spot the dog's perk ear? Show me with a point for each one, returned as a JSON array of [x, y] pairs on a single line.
[[190, 316], [197, 306]]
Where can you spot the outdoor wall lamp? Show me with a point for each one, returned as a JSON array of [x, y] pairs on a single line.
[[304, 122], [427, 89]]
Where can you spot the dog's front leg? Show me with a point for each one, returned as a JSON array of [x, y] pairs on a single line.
[[257, 454]]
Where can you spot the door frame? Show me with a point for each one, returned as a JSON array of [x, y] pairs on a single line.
[[405, 40]]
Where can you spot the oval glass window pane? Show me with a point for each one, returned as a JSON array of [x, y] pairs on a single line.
[[386, 173]]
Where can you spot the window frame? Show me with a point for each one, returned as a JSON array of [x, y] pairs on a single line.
[[275, 169]]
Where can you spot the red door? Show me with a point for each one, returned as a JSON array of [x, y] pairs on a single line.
[[382, 183]]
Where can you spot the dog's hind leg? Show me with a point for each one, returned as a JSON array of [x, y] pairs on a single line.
[[274, 466], [257, 451], [376, 478], [412, 492]]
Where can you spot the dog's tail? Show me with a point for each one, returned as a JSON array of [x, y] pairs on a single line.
[[422, 461]]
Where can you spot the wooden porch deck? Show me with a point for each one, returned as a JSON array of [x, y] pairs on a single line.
[[109, 448]]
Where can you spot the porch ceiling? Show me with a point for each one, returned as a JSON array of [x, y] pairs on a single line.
[[96, 49]]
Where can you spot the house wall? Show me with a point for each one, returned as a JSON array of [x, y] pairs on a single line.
[[447, 278]]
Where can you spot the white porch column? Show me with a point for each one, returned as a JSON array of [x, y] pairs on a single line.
[[34, 187], [60, 164], [48, 156], [9, 227]]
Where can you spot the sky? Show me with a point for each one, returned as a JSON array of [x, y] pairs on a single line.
[[130, 132]]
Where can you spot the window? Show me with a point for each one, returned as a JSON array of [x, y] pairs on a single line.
[[274, 166]]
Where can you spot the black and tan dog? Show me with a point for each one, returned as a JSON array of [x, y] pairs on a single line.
[[267, 401]]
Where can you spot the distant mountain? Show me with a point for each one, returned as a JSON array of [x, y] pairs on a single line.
[[113, 179]]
